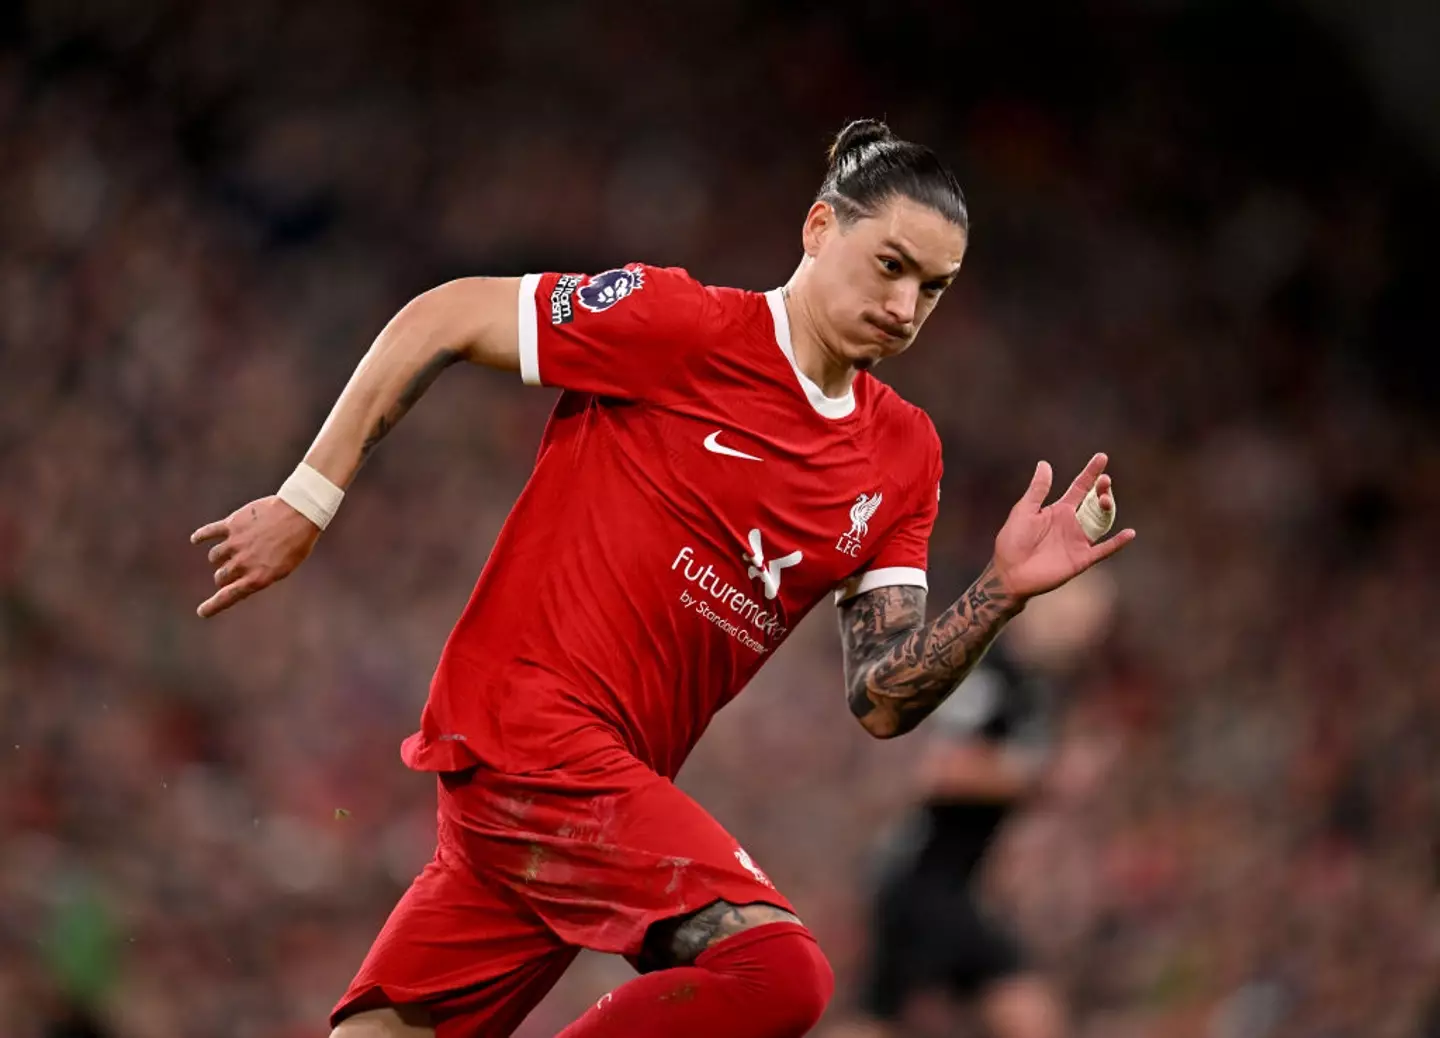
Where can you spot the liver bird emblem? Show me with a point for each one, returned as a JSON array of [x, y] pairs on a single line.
[[861, 512]]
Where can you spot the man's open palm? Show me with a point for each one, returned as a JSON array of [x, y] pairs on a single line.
[[1042, 546]]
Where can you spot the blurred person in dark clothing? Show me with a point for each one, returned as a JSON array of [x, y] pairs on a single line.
[[988, 755]]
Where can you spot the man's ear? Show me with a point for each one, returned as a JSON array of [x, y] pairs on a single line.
[[820, 223]]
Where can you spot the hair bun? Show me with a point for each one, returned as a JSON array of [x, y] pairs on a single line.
[[856, 135], [869, 166]]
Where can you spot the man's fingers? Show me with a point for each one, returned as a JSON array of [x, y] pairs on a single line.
[[1105, 493], [219, 528], [226, 597], [1034, 497], [1110, 546], [221, 552], [229, 574], [1083, 482]]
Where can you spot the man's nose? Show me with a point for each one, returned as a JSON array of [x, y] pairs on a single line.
[[900, 306]]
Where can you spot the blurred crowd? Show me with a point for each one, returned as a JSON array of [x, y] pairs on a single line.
[[1190, 249]]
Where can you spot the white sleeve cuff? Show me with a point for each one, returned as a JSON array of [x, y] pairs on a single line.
[[529, 341], [890, 576]]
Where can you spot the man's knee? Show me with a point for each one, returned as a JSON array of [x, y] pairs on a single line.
[[779, 973], [389, 1022], [803, 982], [765, 955]]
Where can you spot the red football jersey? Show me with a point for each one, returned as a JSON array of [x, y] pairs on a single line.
[[695, 495]]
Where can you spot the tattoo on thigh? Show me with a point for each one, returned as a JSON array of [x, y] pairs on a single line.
[[693, 934]]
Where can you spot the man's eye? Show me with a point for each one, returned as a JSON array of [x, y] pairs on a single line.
[[932, 289], [892, 266]]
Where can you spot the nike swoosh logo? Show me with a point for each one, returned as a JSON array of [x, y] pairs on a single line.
[[714, 446]]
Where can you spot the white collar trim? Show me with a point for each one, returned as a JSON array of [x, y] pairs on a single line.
[[826, 406]]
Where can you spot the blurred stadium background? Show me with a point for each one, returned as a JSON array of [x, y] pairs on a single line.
[[1203, 241]]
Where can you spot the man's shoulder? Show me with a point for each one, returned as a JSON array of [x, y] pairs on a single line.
[[897, 419], [740, 305], [718, 306], [681, 278]]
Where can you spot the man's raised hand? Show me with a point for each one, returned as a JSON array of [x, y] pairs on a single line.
[[259, 543], [1042, 546]]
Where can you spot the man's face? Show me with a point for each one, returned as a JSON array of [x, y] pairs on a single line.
[[879, 278]]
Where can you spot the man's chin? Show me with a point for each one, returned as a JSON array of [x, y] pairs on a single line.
[[866, 359]]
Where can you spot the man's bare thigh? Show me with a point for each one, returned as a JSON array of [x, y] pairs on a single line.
[[683, 939], [390, 1022]]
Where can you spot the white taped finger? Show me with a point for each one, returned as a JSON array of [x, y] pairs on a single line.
[[1094, 520]]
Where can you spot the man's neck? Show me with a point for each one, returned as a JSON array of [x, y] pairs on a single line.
[[815, 359]]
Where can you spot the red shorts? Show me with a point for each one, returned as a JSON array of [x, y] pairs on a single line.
[[530, 868]]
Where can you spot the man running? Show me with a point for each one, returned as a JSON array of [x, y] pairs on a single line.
[[718, 462]]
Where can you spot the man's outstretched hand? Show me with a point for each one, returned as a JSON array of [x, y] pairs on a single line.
[[1042, 546], [260, 543]]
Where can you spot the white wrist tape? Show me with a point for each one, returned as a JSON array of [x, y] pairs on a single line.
[[312, 495]]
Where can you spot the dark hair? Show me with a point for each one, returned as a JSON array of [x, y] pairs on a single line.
[[869, 165]]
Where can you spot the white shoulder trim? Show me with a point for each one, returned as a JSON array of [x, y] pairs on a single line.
[[827, 406], [529, 334], [889, 576]]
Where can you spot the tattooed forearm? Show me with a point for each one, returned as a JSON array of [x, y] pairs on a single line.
[[899, 668], [412, 392]]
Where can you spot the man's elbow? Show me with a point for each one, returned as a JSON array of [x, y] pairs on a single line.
[[881, 727], [879, 723]]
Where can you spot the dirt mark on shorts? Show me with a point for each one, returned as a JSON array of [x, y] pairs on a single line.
[[684, 993], [538, 854], [677, 872]]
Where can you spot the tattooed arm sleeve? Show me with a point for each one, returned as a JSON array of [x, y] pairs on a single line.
[[898, 668]]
